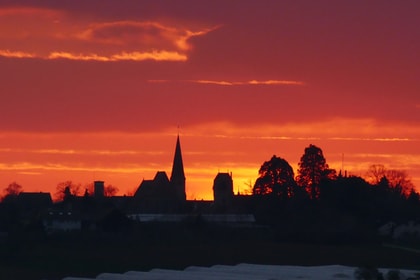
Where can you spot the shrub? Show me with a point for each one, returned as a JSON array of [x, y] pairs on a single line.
[[368, 273], [394, 274]]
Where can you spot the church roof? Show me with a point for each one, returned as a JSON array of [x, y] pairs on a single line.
[[161, 178], [159, 186], [34, 199], [178, 166], [146, 186]]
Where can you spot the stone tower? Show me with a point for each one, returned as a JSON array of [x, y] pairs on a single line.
[[223, 190], [178, 175]]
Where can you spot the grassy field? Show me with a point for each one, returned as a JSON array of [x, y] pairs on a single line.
[[175, 248]]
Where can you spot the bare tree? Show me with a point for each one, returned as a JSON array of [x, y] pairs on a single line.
[[398, 180], [249, 188], [90, 189], [132, 191], [66, 190], [375, 173], [110, 190], [12, 190]]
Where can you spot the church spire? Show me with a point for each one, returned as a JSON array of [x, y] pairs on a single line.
[[178, 175]]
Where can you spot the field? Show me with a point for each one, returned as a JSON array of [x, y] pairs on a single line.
[[54, 257]]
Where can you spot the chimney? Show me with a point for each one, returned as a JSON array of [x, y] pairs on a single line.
[[99, 189]]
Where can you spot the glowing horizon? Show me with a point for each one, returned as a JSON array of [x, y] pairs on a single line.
[[125, 167], [94, 93]]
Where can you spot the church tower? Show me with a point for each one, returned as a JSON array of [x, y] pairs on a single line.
[[178, 175]]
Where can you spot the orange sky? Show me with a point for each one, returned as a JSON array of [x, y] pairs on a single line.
[[95, 90]]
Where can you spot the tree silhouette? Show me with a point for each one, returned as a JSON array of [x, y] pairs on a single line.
[[312, 170], [397, 180], [109, 190], [413, 196], [276, 178], [12, 190], [375, 173], [66, 190]]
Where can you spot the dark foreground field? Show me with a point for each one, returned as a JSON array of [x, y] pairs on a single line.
[[54, 257]]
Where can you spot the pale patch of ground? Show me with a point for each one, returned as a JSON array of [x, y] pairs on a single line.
[[248, 271]]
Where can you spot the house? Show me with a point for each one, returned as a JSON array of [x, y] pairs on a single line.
[[62, 221], [33, 201], [31, 205]]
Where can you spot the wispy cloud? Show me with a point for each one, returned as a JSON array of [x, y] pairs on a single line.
[[29, 173], [146, 34], [276, 82], [83, 152], [31, 168], [338, 129], [16, 54], [153, 55], [49, 34], [252, 82], [133, 56], [71, 56], [235, 83], [392, 139], [28, 11]]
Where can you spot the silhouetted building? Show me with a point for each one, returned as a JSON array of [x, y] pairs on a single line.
[[162, 195], [31, 205], [61, 221], [156, 195], [178, 175], [34, 201], [223, 190], [158, 200], [99, 189]]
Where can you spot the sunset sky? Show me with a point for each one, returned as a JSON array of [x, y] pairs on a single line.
[[96, 90]]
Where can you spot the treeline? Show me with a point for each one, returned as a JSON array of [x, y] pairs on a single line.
[[64, 190], [317, 202], [321, 202]]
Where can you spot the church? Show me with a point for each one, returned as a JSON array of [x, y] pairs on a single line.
[[161, 199], [166, 195], [161, 194]]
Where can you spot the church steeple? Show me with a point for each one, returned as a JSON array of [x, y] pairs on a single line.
[[178, 175]]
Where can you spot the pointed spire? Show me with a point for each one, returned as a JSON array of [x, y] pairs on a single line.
[[178, 174]]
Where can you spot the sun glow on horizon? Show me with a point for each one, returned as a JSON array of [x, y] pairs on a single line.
[[94, 93], [120, 162]]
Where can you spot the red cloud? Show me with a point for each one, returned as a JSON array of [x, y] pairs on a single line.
[[51, 34], [143, 35], [29, 11]]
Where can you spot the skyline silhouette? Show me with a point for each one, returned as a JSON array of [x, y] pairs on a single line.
[[178, 168], [98, 96], [373, 175], [314, 208], [168, 134]]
